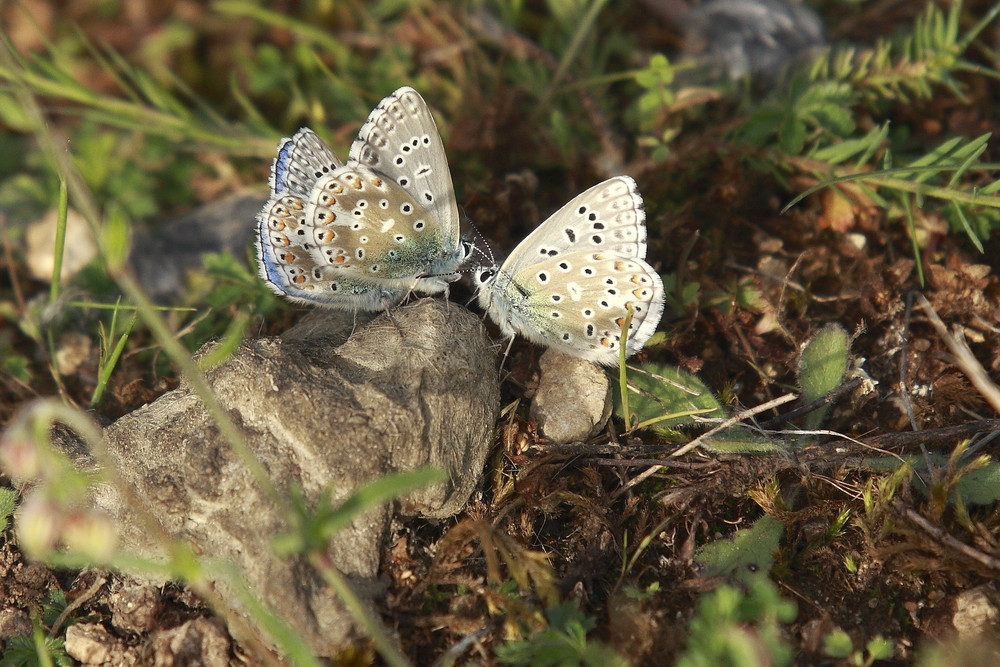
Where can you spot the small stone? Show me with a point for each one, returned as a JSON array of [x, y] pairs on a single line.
[[976, 612], [14, 623], [200, 641], [40, 241], [91, 644], [135, 608], [573, 400], [72, 352]]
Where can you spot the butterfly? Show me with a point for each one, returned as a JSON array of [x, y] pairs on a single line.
[[363, 235], [570, 284]]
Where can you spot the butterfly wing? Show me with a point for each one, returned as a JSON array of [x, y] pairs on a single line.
[[368, 227], [400, 140], [577, 303], [302, 160], [609, 217], [289, 268], [572, 281]]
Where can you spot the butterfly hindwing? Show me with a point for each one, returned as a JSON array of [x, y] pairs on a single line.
[[578, 302], [301, 161], [289, 268]]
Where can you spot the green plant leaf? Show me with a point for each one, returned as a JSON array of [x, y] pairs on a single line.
[[667, 396], [838, 644], [979, 487], [733, 627], [880, 648], [747, 556], [8, 502], [738, 440], [821, 368], [563, 642]]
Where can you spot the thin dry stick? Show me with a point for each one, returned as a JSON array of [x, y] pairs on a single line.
[[77, 603], [763, 407], [746, 414], [944, 537], [964, 358], [934, 435]]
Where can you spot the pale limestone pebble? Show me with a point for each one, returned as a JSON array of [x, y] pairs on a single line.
[[72, 351], [40, 245], [976, 612], [573, 399], [201, 642], [92, 644], [135, 607]]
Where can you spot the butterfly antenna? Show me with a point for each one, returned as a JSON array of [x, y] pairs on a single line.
[[488, 254]]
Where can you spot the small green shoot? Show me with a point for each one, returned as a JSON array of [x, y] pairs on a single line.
[[315, 526], [563, 642], [747, 556], [62, 211], [838, 644], [731, 627], [109, 355], [622, 373], [8, 503], [821, 369]]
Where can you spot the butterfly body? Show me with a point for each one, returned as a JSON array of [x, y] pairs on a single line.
[[570, 284]]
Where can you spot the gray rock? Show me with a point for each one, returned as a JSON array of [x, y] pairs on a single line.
[[573, 399], [13, 623], [731, 39], [201, 642], [91, 644], [163, 254], [415, 387]]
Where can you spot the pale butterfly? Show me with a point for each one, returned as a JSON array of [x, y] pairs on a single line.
[[363, 235], [570, 283], [390, 214]]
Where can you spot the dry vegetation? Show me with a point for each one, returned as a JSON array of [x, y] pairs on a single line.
[[170, 105]]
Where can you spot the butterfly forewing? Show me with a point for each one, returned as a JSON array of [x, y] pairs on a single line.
[[608, 217], [400, 140]]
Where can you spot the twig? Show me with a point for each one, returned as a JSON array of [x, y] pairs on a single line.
[[944, 537], [763, 407], [735, 419], [916, 438], [964, 358], [827, 398], [75, 604]]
